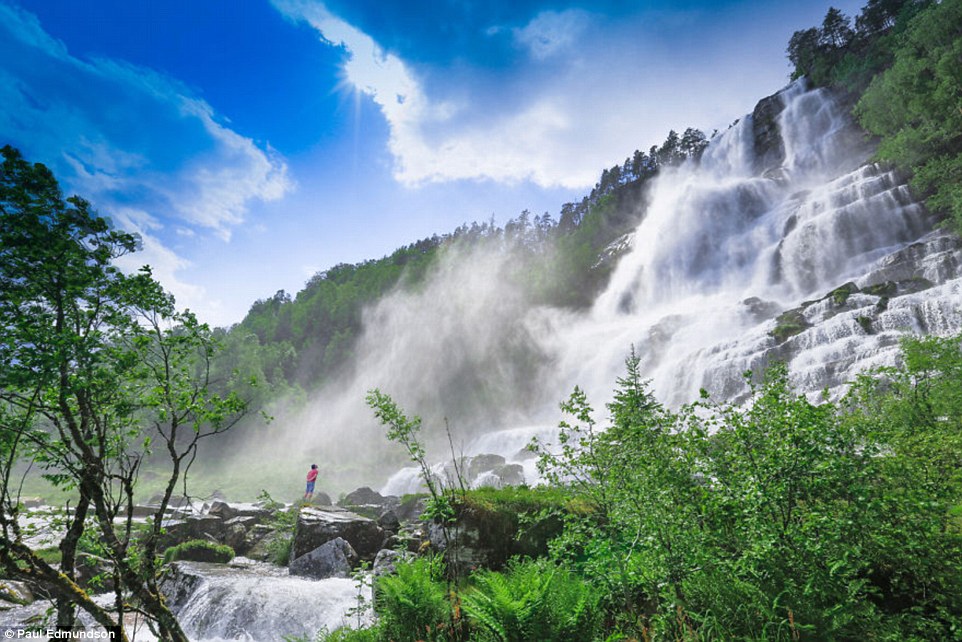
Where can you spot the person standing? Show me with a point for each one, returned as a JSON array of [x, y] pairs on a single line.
[[311, 479]]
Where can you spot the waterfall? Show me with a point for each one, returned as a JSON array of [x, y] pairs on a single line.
[[727, 245], [258, 601], [724, 247]]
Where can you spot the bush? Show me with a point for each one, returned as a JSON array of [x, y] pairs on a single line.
[[531, 600], [199, 550], [414, 604]]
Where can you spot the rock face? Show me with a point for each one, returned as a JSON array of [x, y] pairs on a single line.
[[316, 527], [335, 558], [769, 149]]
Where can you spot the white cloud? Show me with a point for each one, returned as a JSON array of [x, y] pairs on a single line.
[[139, 145], [550, 32], [110, 128], [586, 98]]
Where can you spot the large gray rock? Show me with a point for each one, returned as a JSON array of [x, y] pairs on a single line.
[[321, 498], [388, 520], [222, 510], [367, 502], [387, 559], [335, 558], [316, 527], [482, 464], [361, 497], [194, 527], [236, 537]]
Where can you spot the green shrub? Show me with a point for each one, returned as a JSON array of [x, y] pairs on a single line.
[[199, 550], [414, 604], [531, 600]]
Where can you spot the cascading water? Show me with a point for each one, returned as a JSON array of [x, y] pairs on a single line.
[[727, 245], [258, 601]]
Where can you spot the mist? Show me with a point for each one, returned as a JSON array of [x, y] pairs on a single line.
[[723, 247]]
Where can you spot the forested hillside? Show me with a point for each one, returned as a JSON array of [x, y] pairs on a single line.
[[899, 66], [902, 64], [297, 342]]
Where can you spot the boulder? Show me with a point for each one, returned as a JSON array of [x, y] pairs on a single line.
[[367, 502], [321, 499], [389, 521], [386, 561], [315, 527], [257, 543], [221, 509], [482, 464], [236, 537], [510, 474], [335, 558], [194, 527], [361, 497]]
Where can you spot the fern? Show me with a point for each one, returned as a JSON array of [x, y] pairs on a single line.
[[531, 600]]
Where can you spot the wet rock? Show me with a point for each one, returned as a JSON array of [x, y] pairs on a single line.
[[482, 464], [389, 521], [256, 545], [387, 559], [761, 310], [179, 583], [194, 527], [236, 537], [321, 499], [222, 510], [247, 521], [767, 139], [316, 527], [361, 497], [335, 558], [510, 474], [367, 502]]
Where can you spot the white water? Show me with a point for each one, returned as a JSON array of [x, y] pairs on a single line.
[[261, 602], [717, 234], [722, 249]]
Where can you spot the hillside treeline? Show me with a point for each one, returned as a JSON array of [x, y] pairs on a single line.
[[295, 343], [901, 63]]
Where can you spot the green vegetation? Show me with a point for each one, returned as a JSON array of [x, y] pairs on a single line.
[[777, 520], [901, 63], [96, 366], [788, 324], [199, 550]]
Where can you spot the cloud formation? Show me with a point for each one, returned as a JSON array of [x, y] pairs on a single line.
[[551, 32], [586, 93], [135, 142]]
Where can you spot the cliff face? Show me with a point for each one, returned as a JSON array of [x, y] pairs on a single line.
[[769, 151]]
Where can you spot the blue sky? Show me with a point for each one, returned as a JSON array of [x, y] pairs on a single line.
[[253, 143]]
